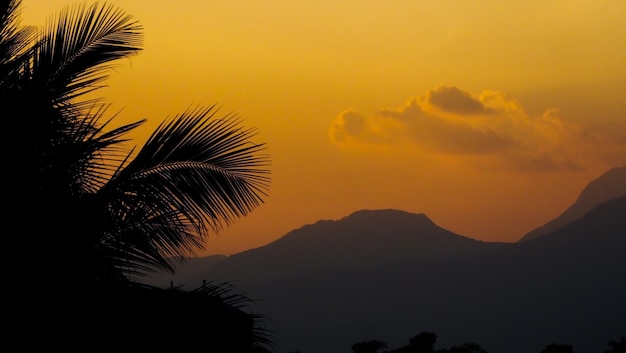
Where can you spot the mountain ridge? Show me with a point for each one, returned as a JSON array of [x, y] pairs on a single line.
[[362, 239], [610, 184], [563, 286]]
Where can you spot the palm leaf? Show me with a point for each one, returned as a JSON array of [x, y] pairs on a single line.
[[195, 174], [14, 43], [98, 153], [262, 337], [77, 47]]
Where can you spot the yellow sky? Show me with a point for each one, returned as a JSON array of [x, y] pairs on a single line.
[[488, 116]]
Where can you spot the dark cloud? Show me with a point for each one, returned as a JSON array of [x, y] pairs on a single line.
[[454, 100], [435, 133], [353, 127], [353, 123]]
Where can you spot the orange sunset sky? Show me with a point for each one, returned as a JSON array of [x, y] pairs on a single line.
[[488, 116]]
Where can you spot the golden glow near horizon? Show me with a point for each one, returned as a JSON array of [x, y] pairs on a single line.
[[487, 116]]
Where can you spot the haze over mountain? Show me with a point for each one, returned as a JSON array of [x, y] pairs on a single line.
[[389, 274], [609, 185]]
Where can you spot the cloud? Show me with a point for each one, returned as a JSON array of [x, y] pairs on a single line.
[[352, 127], [487, 128], [452, 134], [453, 100]]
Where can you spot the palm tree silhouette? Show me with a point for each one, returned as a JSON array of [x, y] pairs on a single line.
[[86, 215], [87, 206]]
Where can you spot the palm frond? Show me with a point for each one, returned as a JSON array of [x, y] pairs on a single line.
[[9, 28], [262, 338], [77, 47], [208, 163], [15, 41], [195, 173], [99, 152]]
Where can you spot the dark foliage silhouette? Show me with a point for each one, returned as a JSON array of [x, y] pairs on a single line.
[[371, 346], [470, 347], [423, 342], [145, 318], [558, 348], [94, 213], [617, 346]]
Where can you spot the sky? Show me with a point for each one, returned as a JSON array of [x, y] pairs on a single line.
[[488, 116]]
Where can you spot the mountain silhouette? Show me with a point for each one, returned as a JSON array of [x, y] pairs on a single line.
[[363, 239], [609, 185], [567, 286], [389, 274]]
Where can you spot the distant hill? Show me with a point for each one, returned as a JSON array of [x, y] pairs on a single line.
[[389, 274], [611, 184], [566, 287], [363, 239]]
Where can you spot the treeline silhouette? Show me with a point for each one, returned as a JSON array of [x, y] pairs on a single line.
[[424, 342]]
